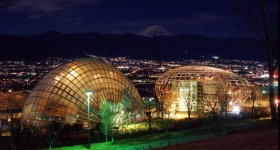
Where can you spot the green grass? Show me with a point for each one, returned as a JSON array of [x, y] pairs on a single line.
[[156, 137], [134, 141]]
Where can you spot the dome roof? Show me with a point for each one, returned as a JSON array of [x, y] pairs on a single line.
[[201, 73], [61, 94], [202, 83]]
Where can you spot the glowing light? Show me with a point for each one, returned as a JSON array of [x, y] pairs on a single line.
[[265, 76], [208, 78], [215, 57], [276, 102], [236, 109], [57, 78], [183, 89], [73, 72], [89, 92]]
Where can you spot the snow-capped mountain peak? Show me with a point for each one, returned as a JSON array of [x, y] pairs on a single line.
[[155, 30]]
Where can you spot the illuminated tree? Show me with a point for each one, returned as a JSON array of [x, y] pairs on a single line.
[[125, 111], [107, 115], [188, 92], [255, 99], [210, 103]]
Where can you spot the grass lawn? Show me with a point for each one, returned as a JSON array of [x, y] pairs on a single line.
[[157, 137]]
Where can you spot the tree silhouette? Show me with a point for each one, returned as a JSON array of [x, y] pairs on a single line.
[[263, 23], [50, 133], [255, 99]]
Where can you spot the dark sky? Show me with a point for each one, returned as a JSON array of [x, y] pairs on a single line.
[[204, 17]]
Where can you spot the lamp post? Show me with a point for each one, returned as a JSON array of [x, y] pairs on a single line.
[[11, 120], [150, 113], [88, 93]]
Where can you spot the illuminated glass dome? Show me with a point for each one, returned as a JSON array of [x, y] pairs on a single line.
[[60, 95], [200, 87]]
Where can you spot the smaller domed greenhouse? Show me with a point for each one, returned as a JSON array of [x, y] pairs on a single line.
[[200, 89]]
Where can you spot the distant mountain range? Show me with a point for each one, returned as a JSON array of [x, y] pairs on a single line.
[[51, 44]]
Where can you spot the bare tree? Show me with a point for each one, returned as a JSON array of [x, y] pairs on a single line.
[[51, 133], [223, 99], [210, 103], [52, 117], [264, 25], [189, 98], [187, 91], [215, 99], [255, 99], [211, 115], [149, 106], [48, 133]]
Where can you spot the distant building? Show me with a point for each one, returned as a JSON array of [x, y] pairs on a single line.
[[60, 95], [200, 89], [11, 104]]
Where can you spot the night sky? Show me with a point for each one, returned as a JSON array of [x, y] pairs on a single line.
[[213, 18]]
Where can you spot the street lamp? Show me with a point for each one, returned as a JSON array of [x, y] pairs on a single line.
[[149, 113], [10, 120], [88, 93]]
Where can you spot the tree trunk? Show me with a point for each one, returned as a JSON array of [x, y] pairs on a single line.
[[278, 47], [270, 61], [271, 99], [106, 137]]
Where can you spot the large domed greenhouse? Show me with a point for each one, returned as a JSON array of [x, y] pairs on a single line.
[[200, 89], [61, 94]]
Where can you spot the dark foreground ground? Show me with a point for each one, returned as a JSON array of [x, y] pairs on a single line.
[[256, 138]]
